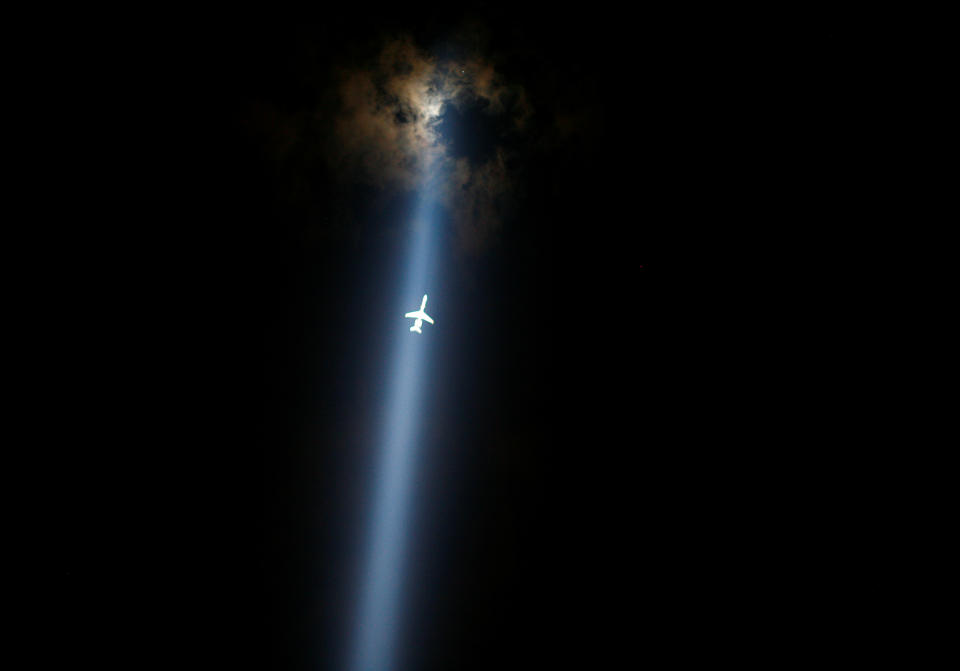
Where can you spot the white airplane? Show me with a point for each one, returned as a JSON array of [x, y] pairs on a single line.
[[420, 316]]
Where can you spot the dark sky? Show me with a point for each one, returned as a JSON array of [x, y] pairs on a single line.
[[572, 483]]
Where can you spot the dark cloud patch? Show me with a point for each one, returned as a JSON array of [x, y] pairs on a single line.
[[472, 131]]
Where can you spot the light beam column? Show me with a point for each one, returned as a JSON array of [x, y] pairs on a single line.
[[382, 579]]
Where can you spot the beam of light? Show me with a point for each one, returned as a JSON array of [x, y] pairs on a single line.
[[379, 605]]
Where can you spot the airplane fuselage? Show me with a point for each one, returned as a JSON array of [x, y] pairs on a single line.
[[419, 316]]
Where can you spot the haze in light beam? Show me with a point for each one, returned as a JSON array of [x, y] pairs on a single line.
[[378, 623]]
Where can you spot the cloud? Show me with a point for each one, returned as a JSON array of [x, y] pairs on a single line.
[[386, 131], [477, 197]]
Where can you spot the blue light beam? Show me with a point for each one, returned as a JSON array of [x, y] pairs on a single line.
[[378, 624]]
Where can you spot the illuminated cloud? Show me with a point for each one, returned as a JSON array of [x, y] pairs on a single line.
[[386, 131]]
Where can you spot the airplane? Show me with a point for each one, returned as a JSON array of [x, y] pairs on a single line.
[[420, 316]]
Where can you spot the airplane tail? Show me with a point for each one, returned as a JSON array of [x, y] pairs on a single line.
[[416, 329]]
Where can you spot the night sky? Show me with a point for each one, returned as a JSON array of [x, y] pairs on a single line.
[[573, 499]]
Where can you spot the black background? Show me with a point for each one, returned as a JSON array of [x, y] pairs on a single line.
[[589, 491]]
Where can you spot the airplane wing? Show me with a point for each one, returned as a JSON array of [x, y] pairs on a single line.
[[424, 317], [412, 315]]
